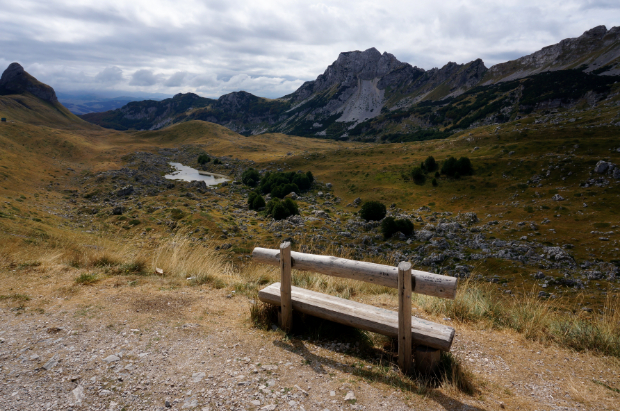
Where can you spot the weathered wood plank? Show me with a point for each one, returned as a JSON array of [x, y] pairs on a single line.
[[423, 282], [285, 286], [358, 315], [404, 316]]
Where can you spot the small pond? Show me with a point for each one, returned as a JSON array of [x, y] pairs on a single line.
[[186, 173]]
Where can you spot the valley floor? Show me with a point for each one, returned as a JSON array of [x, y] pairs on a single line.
[[152, 343]]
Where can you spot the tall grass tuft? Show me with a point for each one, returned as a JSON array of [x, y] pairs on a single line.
[[537, 319]]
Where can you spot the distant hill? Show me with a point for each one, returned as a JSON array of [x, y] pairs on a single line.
[[369, 96]]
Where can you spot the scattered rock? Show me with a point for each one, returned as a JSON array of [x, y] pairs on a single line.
[[78, 394], [350, 396], [111, 358]]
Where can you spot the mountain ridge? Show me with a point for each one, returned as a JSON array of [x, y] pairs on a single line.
[[372, 96]]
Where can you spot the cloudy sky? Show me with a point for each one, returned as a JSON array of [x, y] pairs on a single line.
[[269, 48]]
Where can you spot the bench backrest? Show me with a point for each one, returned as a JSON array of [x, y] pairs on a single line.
[[380, 274]]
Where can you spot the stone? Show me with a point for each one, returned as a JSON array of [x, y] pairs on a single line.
[[198, 376], [190, 403], [111, 358], [78, 394], [601, 167], [557, 197], [51, 363], [350, 396], [328, 185], [117, 210], [616, 173], [125, 191], [357, 201], [269, 407]]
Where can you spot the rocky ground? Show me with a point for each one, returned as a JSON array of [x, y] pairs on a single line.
[[443, 242], [155, 347]]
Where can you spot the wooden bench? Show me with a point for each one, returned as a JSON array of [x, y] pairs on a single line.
[[428, 337]]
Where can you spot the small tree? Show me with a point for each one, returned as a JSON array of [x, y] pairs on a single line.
[[435, 183], [255, 201], [430, 164], [373, 211], [418, 176], [217, 161], [388, 227], [203, 159], [280, 210], [391, 226], [250, 177]]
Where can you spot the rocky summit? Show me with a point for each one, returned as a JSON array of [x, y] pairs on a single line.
[[15, 80]]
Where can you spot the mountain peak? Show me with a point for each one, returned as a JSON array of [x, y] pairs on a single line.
[[15, 80], [596, 32]]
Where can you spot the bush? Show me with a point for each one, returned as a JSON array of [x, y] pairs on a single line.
[[373, 211], [302, 181], [280, 210], [418, 176], [435, 183], [430, 164], [391, 226], [255, 201], [456, 168], [250, 177], [217, 161], [284, 189], [281, 184], [203, 159]]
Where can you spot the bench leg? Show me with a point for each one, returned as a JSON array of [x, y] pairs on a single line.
[[426, 359], [286, 305], [404, 317]]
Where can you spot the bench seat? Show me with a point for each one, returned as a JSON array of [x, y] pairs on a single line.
[[358, 315]]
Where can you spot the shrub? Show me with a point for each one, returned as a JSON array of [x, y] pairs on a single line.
[[430, 164], [456, 168], [391, 226], [388, 227], [302, 181], [255, 201], [405, 226], [280, 210], [250, 177], [217, 161], [281, 184], [203, 158], [418, 176], [373, 211], [435, 183], [284, 189]]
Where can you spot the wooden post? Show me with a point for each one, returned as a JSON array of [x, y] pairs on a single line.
[[286, 307], [426, 359], [404, 316]]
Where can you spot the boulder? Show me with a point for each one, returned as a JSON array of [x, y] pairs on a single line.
[[601, 167]]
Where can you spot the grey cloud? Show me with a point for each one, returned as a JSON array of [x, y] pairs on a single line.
[[270, 47], [176, 80], [110, 75], [143, 78]]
